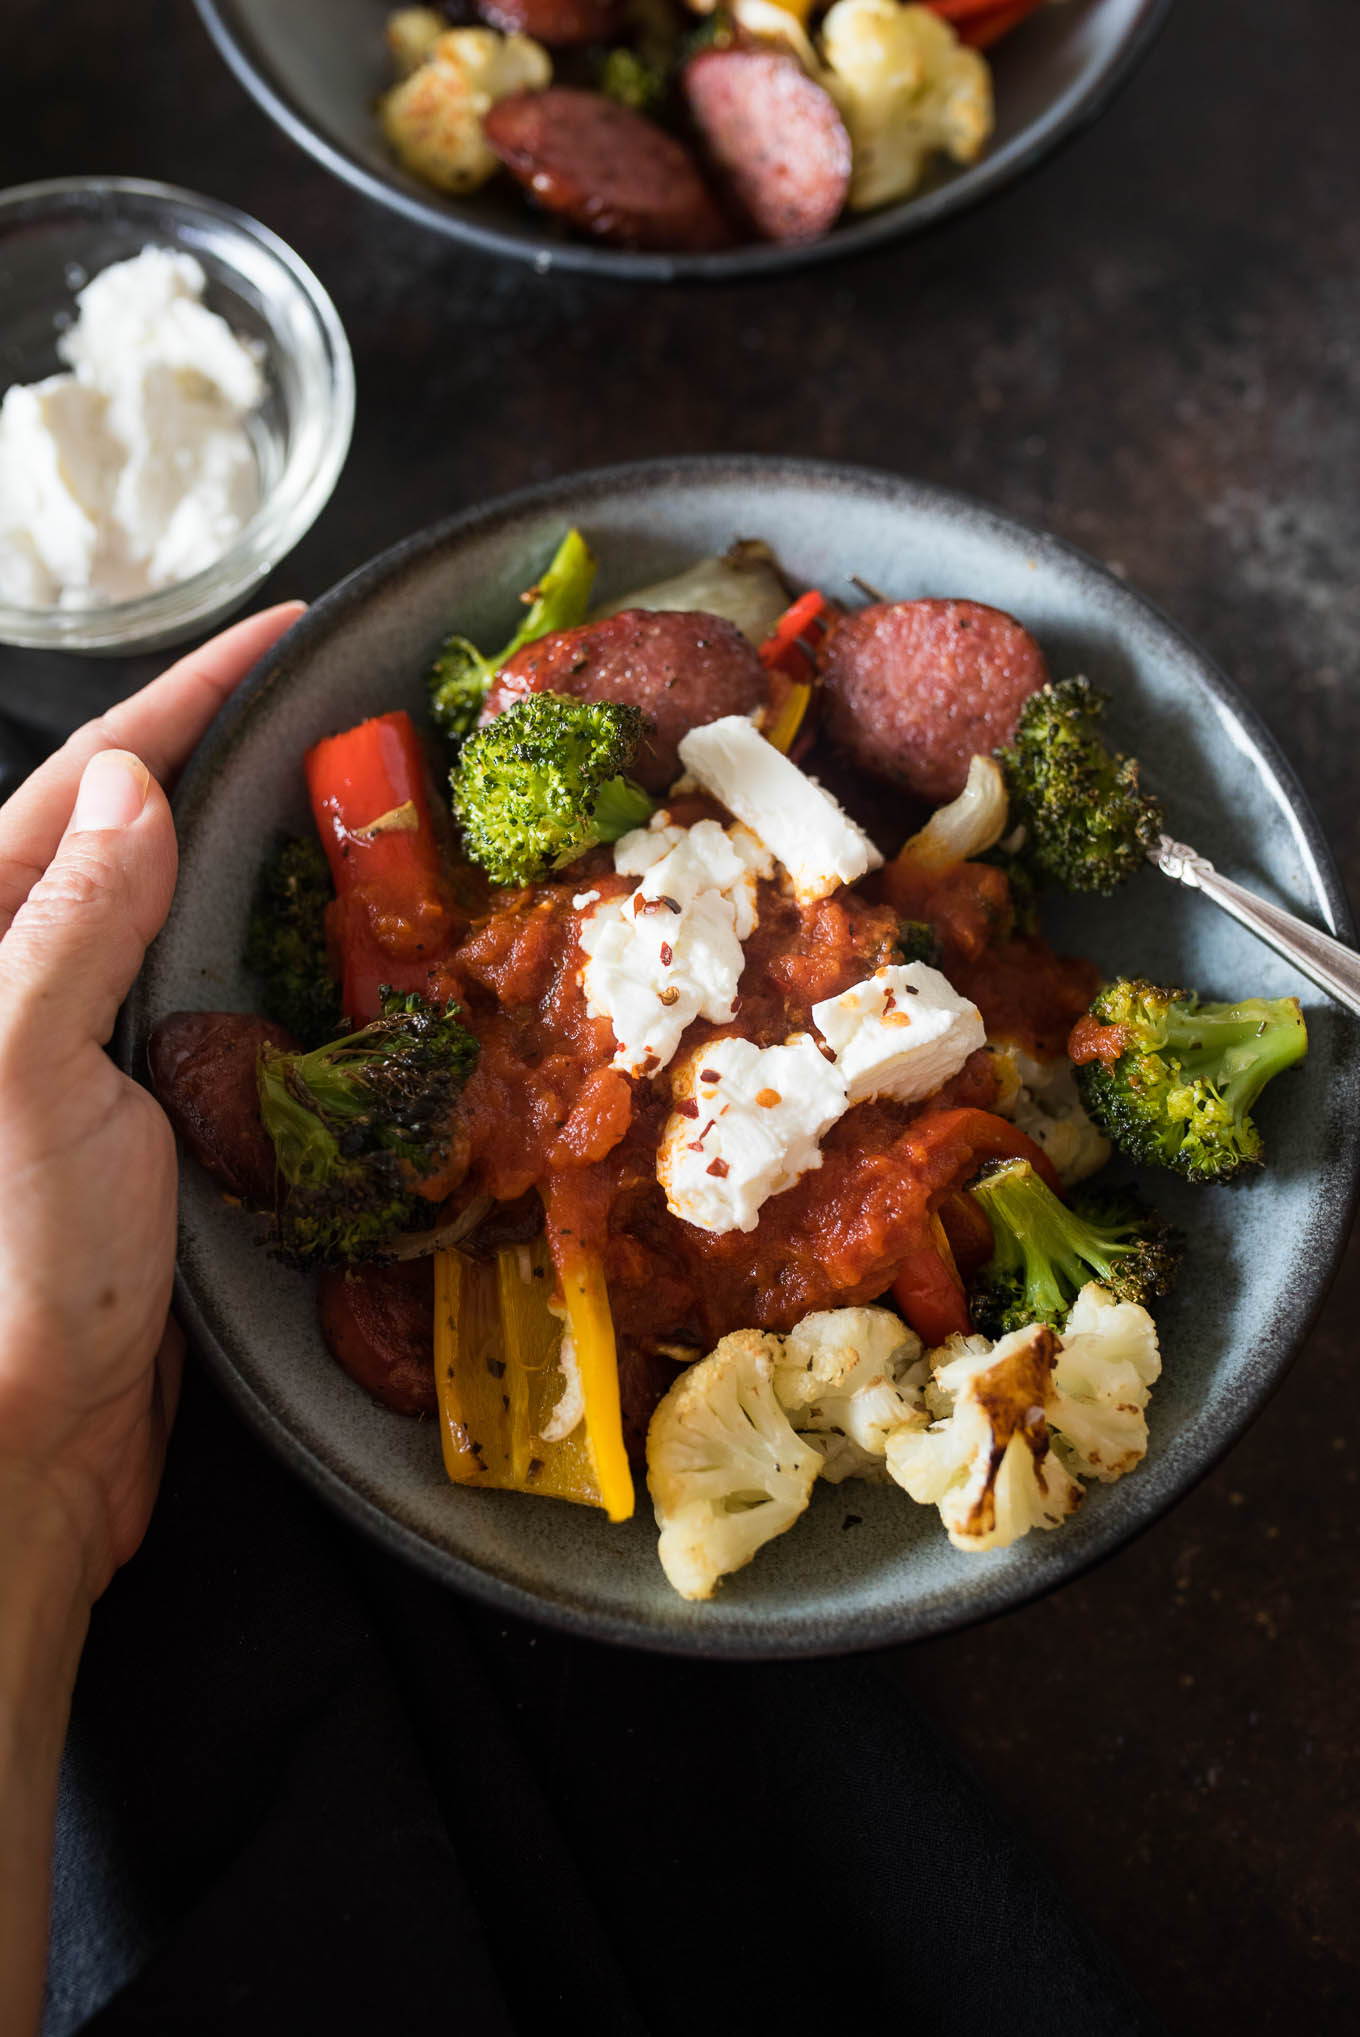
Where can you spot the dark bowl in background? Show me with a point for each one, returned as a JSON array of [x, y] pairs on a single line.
[[317, 67]]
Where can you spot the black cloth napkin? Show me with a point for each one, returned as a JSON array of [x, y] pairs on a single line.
[[308, 1790]]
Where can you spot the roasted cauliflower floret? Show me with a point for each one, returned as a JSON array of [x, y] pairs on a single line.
[[412, 33], [725, 1468], [989, 1465], [1108, 1361], [1041, 1097], [847, 1379], [907, 90], [1016, 1419], [433, 118]]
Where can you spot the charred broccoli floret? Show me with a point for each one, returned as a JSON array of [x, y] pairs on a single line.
[[544, 782], [1088, 825], [1175, 1083], [460, 677], [286, 942], [917, 941], [359, 1124], [625, 75], [1046, 1251]]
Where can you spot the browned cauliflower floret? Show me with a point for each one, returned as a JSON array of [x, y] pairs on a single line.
[[433, 118], [412, 33], [908, 90], [989, 1464]]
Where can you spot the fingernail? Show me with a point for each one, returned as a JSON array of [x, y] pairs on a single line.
[[112, 792]]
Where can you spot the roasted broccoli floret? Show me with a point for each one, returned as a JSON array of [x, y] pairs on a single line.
[[286, 942], [1175, 1083], [629, 78], [544, 782], [460, 677], [917, 941], [359, 1125], [1087, 823], [1046, 1251]]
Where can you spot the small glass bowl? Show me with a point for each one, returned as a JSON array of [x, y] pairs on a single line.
[[56, 236]]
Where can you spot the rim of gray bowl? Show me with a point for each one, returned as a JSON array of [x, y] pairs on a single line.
[[1158, 1489], [994, 173]]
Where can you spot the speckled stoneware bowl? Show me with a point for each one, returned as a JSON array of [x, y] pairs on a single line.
[[865, 1566], [318, 66]]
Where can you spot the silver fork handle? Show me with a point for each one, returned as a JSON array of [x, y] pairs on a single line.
[[1333, 966]]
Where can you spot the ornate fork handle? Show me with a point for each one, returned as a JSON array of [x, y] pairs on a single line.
[[1334, 967]]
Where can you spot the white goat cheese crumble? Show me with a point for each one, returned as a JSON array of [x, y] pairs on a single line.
[[671, 951], [748, 1123], [136, 469], [902, 1033], [818, 844]]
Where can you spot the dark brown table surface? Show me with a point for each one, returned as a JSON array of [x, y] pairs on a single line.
[[1152, 348]]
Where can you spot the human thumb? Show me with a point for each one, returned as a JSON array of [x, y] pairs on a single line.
[[78, 940]]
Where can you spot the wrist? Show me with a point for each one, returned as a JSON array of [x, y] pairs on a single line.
[[44, 1612], [45, 1561]]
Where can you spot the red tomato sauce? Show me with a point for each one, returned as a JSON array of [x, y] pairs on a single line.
[[1024, 991], [545, 1110]]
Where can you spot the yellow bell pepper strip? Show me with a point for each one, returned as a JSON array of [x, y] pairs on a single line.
[[496, 1344], [592, 1329], [789, 718]]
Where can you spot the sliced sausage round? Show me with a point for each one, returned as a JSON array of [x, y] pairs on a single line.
[[378, 1322], [913, 689], [606, 169], [775, 137], [202, 1066], [561, 24], [681, 667]]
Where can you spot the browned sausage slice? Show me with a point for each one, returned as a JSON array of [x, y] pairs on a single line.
[[561, 24], [679, 666], [775, 137], [913, 689], [202, 1067], [606, 169], [378, 1322]]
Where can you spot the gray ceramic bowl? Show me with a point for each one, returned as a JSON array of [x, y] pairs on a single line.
[[1259, 1258], [317, 66]]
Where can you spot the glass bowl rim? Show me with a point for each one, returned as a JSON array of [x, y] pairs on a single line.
[[286, 513]]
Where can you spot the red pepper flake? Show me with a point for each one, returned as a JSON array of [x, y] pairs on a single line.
[[889, 999], [687, 1107], [768, 1098], [710, 1074], [667, 954], [718, 1167], [696, 1145]]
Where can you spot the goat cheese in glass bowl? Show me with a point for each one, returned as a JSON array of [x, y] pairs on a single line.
[[176, 401]]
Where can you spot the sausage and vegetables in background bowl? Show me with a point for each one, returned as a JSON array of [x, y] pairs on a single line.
[[672, 137], [735, 1217]]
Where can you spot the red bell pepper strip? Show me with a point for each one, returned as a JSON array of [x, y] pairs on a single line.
[[928, 1289], [947, 1147], [784, 649], [789, 655], [983, 22], [392, 920]]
